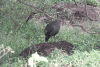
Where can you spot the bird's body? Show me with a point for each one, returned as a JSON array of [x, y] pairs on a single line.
[[52, 29]]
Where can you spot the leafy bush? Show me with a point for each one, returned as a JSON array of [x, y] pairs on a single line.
[[93, 2]]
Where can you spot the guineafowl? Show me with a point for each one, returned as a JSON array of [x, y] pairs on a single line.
[[52, 29]]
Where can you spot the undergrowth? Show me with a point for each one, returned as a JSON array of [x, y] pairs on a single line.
[[18, 36], [33, 34]]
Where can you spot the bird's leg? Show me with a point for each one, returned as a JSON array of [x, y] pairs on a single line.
[[55, 39], [51, 38]]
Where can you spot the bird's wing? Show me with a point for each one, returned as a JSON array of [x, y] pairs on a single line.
[[48, 31]]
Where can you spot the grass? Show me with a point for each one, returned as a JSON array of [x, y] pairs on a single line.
[[85, 55]]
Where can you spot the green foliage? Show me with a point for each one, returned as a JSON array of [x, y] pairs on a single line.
[[83, 41], [90, 2], [17, 35], [87, 59], [93, 2], [79, 59]]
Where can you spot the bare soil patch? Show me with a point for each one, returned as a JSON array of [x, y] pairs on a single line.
[[47, 48], [68, 10]]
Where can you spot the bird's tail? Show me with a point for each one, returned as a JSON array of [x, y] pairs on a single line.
[[47, 38]]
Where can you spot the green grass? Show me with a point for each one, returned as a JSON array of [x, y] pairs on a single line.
[[85, 44], [20, 37], [79, 59]]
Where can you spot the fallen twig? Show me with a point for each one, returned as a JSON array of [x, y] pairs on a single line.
[[37, 9]]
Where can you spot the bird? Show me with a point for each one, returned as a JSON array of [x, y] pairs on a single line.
[[52, 29]]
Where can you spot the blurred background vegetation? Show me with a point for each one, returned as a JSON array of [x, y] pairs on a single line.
[[18, 35]]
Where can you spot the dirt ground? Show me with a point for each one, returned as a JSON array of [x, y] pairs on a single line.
[[66, 10], [47, 48]]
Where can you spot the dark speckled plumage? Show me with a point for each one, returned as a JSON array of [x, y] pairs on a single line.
[[52, 29]]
